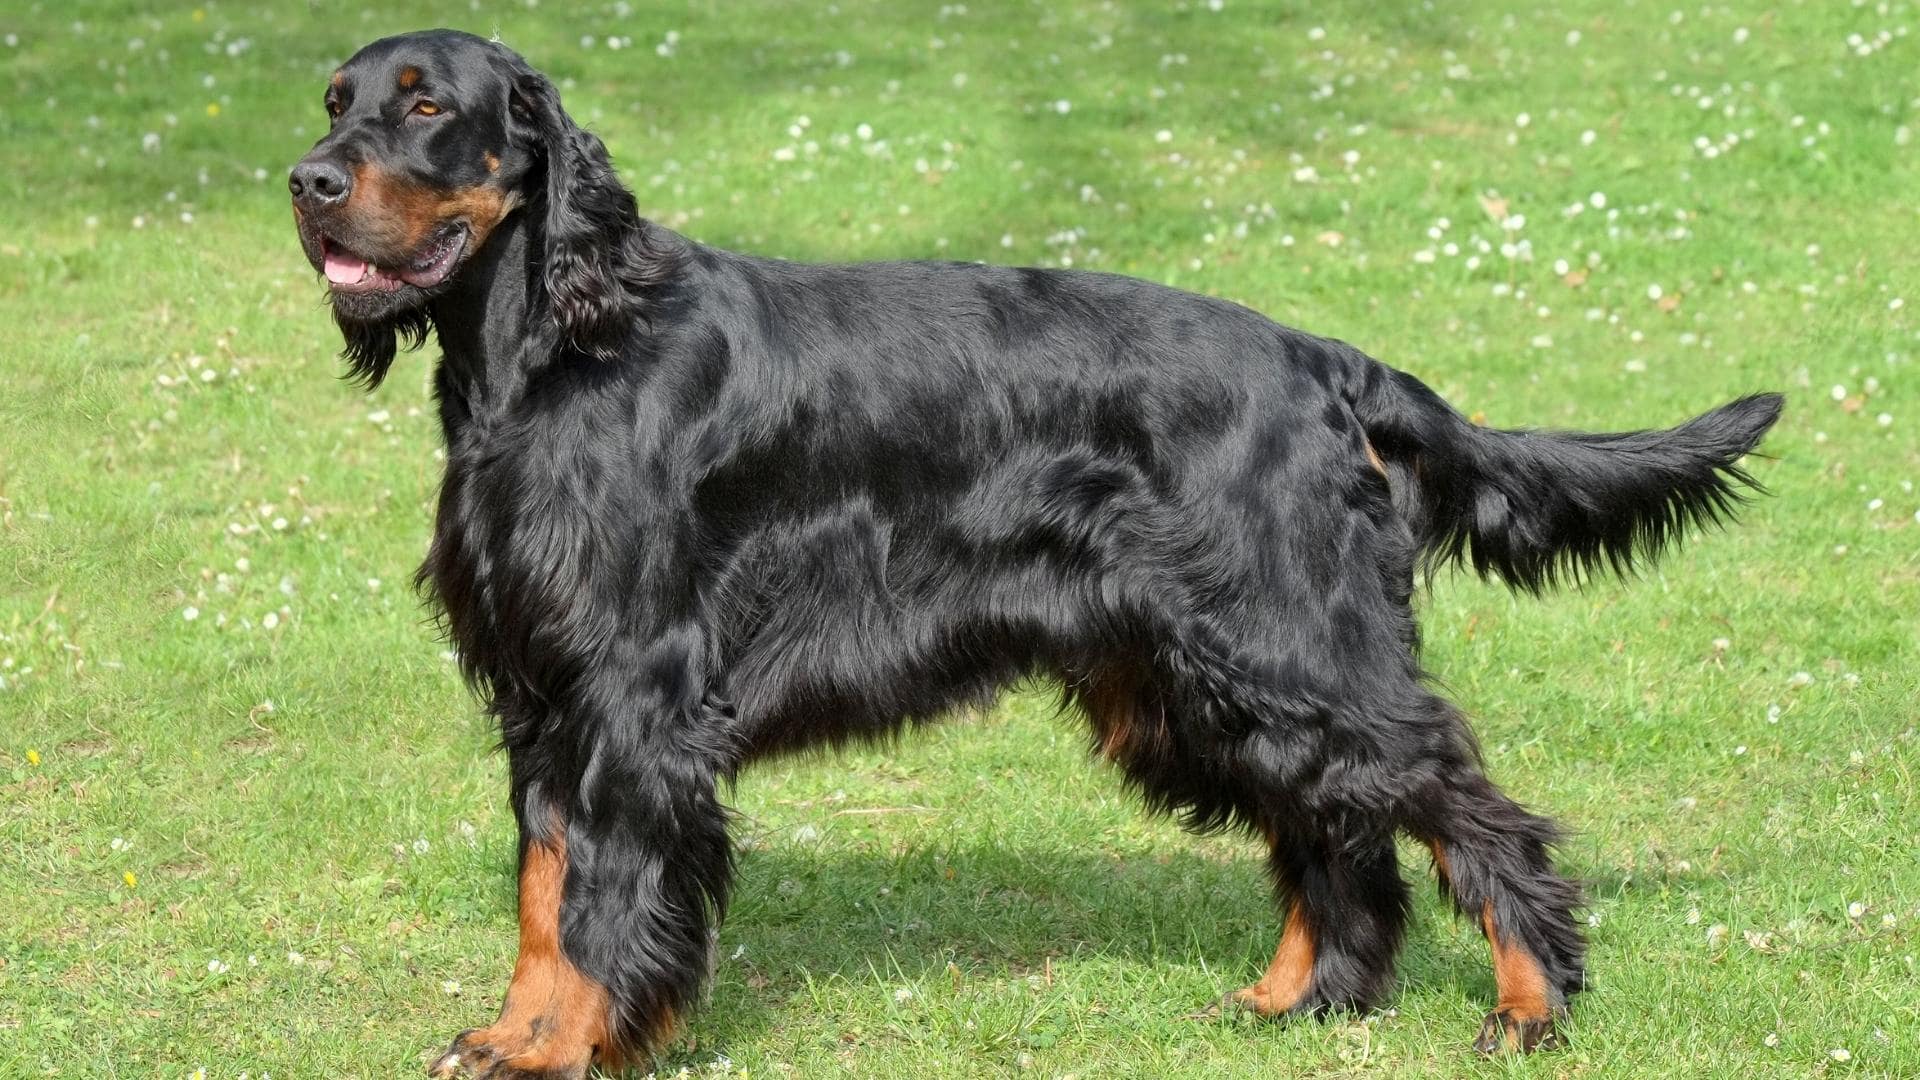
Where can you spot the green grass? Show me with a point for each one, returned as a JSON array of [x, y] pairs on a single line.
[[285, 849]]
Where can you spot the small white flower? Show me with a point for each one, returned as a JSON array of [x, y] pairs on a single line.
[[190, 613], [1857, 909], [1799, 679], [421, 847], [1654, 292], [903, 995], [1772, 1039], [1839, 1053]]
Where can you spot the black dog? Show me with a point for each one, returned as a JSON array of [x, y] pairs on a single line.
[[700, 508]]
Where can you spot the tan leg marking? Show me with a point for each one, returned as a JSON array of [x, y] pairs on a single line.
[[1112, 701], [1524, 1009], [1518, 978], [1373, 456], [1440, 866], [1290, 975], [556, 1021], [1523, 1016]]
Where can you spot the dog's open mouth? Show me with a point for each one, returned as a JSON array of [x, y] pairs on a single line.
[[349, 273]]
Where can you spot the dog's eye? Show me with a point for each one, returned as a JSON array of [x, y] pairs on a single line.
[[426, 108]]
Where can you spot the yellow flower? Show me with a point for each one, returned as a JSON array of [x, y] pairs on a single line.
[[199, 14], [33, 757], [130, 879], [213, 108]]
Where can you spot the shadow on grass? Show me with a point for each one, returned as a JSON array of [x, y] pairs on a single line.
[[985, 917]]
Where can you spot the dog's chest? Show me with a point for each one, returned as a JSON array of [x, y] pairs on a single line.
[[518, 563]]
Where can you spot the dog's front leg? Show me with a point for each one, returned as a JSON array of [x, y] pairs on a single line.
[[625, 865]]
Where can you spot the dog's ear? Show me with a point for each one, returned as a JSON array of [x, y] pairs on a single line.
[[598, 260]]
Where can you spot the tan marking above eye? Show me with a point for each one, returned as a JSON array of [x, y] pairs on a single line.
[[339, 79], [409, 77]]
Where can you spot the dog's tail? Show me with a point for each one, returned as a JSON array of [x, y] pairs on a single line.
[[1538, 506]]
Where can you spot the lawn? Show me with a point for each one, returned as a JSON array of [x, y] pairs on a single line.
[[251, 822]]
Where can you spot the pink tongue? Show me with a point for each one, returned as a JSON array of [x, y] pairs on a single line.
[[344, 269]]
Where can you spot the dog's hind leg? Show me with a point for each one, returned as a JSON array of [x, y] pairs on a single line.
[[1337, 876], [1346, 909], [1491, 857]]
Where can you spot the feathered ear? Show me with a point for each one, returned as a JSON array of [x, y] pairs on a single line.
[[599, 260]]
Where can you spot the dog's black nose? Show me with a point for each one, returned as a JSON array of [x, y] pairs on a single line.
[[317, 185]]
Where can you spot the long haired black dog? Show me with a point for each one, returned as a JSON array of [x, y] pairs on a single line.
[[700, 508]]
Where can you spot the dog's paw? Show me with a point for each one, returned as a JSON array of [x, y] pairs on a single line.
[[1505, 1030], [488, 1054]]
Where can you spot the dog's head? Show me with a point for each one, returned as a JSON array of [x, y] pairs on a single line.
[[435, 138]]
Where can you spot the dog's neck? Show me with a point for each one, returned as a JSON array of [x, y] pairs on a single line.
[[483, 320]]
